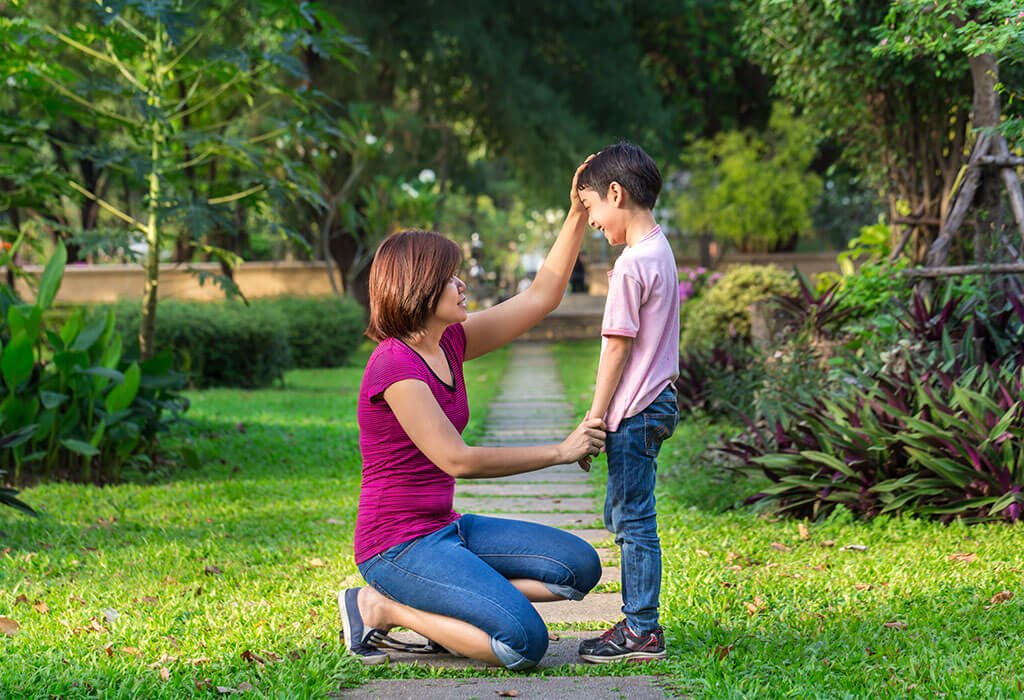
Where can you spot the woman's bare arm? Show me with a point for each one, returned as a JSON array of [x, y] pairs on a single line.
[[430, 430]]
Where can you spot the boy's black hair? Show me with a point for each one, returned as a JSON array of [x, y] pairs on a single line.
[[630, 166]]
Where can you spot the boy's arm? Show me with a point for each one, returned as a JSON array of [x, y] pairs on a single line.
[[609, 372]]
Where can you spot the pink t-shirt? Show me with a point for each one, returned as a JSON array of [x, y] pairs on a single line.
[[643, 304], [404, 495]]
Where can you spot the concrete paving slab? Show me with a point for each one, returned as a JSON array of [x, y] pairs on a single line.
[[522, 687], [567, 521], [535, 504], [543, 490], [593, 535], [599, 608], [562, 650]]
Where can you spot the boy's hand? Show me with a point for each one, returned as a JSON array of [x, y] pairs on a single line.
[[575, 203]]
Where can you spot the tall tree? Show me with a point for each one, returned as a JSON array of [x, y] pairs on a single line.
[[903, 119], [139, 56]]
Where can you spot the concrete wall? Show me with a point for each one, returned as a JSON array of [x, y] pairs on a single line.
[[108, 283]]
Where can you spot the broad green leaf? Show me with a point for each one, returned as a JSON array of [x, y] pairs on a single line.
[[71, 328], [79, 447], [122, 395], [50, 280], [27, 318], [51, 399], [104, 372], [89, 335], [98, 434], [17, 361]]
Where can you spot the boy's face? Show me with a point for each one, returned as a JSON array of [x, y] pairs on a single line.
[[606, 213]]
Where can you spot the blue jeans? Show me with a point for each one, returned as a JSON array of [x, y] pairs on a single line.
[[629, 507], [463, 571]]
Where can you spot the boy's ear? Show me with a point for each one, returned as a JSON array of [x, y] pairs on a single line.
[[617, 195]]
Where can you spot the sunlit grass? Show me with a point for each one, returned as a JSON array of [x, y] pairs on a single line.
[[190, 579], [758, 607]]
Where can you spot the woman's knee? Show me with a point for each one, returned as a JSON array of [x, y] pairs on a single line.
[[522, 648]]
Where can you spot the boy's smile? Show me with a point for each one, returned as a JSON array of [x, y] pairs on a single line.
[[604, 216]]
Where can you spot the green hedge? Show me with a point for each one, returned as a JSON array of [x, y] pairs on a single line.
[[231, 344], [321, 332]]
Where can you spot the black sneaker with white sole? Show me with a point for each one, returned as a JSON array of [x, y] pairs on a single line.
[[359, 639], [621, 644]]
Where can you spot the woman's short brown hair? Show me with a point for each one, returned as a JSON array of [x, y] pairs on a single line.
[[407, 278]]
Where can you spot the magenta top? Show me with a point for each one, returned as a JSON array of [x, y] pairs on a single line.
[[404, 495]]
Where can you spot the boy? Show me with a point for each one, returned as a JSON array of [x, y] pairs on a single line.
[[635, 391]]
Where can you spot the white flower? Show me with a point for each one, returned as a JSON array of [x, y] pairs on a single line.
[[370, 139], [427, 176], [410, 190], [11, 81]]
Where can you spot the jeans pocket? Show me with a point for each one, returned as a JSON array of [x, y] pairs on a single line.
[[658, 427], [400, 550]]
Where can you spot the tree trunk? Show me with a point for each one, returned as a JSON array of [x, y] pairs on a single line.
[[985, 76]]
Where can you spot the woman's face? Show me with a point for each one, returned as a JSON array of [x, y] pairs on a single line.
[[451, 307]]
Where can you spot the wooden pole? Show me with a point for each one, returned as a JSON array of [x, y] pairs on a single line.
[[939, 250], [958, 270]]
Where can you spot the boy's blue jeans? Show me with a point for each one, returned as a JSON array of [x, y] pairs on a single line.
[[629, 511], [463, 571]]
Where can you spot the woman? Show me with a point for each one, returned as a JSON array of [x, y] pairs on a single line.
[[463, 581]]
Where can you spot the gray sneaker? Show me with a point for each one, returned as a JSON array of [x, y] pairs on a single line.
[[358, 639]]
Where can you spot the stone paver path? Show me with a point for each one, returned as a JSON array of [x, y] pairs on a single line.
[[531, 409]]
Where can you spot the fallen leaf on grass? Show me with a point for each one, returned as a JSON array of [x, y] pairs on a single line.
[[110, 614], [8, 626], [212, 570], [131, 651], [41, 608], [896, 625], [757, 606], [22, 600], [336, 521], [781, 547], [1000, 597], [720, 652], [805, 534], [702, 553], [315, 563], [165, 674], [149, 600], [827, 543], [854, 548], [963, 556], [863, 586]]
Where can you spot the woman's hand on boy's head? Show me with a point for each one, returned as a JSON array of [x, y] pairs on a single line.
[[576, 204]]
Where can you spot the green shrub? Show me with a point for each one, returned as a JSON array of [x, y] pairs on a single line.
[[723, 312], [217, 344], [937, 431], [322, 332], [73, 405]]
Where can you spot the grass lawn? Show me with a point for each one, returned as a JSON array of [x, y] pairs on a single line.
[[759, 607], [224, 576], [221, 576]]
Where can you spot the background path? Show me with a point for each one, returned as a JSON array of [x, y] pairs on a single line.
[[531, 409]]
